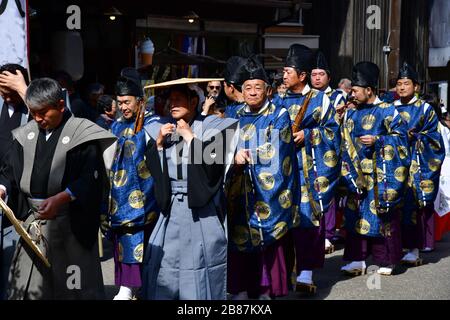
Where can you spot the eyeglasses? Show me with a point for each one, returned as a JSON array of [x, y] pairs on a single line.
[[214, 87]]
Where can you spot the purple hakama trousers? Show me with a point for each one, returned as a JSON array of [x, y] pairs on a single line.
[[310, 247], [262, 272], [421, 234], [330, 221], [129, 274], [385, 251]]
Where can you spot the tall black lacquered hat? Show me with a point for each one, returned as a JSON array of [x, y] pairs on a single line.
[[320, 62], [408, 72], [235, 70], [129, 83], [365, 74], [299, 57], [253, 70]]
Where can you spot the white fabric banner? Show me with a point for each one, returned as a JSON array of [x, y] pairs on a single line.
[[13, 32], [442, 203]]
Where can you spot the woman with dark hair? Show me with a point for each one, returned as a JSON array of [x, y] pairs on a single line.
[[187, 156]]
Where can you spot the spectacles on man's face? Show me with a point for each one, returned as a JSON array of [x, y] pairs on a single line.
[[214, 87]]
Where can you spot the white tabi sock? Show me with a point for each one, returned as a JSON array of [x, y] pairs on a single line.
[[125, 293], [305, 277]]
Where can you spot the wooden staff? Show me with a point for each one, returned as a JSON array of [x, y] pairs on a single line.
[[301, 113], [139, 123], [22, 232]]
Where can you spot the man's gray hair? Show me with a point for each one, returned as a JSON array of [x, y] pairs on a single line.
[[42, 93], [347, 83]]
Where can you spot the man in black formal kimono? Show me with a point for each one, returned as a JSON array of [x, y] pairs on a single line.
[[13, 114], [56, 175]]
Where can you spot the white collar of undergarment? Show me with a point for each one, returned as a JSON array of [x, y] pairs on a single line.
[[328, 90], [261, 110], [10, 110], [377, 101], [399, 102]]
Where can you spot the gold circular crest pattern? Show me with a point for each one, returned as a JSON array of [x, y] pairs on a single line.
[[434, 164], [285, 199], [138, 252], [330, 159], [127, 132], [129, 148], [405, 116], [400, 174], [427, 186], [329, 134], [367, 166], [344, 169], [120, 178], [414, 167], [402, 152], [387, 121], [362, 226], [309, 162], [293, 110], [317, 113], [391, 195], [136, 199], [322, 184], [247, 132], [280, 230], [316, 137], [256, 237], [350, 125], [266, 151], [262, 209], [368, 121], [389, 152], [143, 172], [368, 182], [372, 207], [266, 180], [286, 134]]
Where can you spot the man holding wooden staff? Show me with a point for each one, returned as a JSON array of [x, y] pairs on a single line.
[[54, 172], [316, 134]]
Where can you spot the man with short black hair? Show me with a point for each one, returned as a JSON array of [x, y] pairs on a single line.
[[375, 163], [427, 153], [107, 107], [320, 80], [317, 138], [78, 107], [232, 85]]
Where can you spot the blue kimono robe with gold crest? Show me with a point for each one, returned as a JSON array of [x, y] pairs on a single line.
[[262, 198], [318, 160], [132, 203], [427, 154], [374, 175], [232, 109], [336, 98]]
